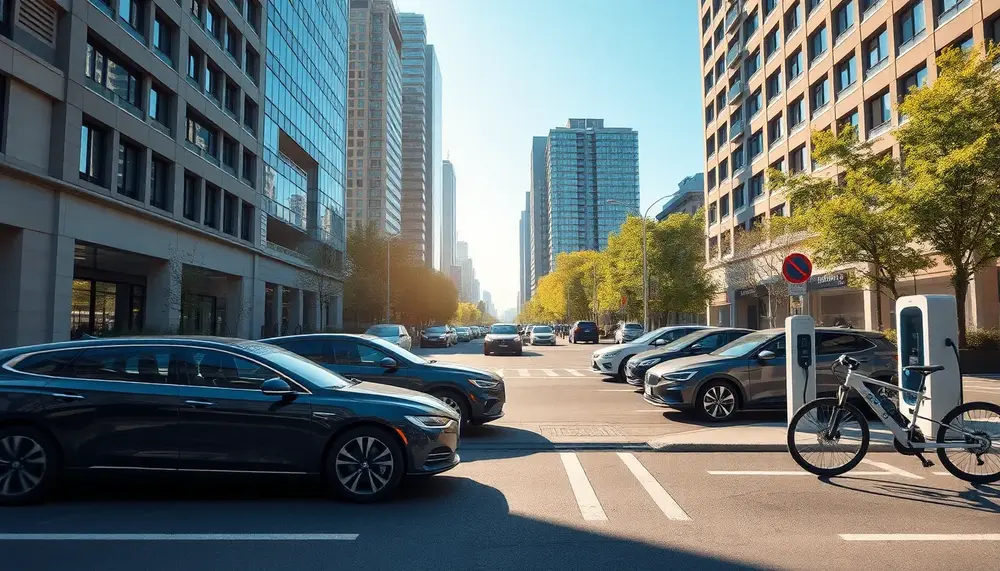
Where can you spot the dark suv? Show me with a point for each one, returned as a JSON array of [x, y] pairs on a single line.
[[750, 372], [584, 332]]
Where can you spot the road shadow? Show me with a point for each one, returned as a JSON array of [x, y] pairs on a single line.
[[443, 522], [746, 418], [984, 498], [494, 441]]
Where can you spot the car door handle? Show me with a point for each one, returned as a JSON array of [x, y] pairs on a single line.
[[70, 396], [199, 403]]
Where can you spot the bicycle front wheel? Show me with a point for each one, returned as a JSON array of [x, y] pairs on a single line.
[[971, 423], [827, 438]]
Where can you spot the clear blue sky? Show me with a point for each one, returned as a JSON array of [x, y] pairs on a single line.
[[516, 68]]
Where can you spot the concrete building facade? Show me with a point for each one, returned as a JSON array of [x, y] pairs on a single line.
[[138, 170], [538, 212], [776, 70], [690, 196], [449, 222], [375, 124], [524, 254]]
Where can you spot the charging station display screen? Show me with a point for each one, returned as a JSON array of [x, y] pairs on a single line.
[[911, 348]]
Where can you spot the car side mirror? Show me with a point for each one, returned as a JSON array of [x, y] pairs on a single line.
[[387, 363], [766, 355], [659, 342], [696, 348], [276, 387]]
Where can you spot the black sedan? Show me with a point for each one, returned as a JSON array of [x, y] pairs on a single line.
[[697, 343], [436, 336], [502, 338], [477, 396], [208, 405]]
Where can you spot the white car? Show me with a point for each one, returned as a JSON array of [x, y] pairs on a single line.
[[611, 360], [628, 333], [395, 334], [541, 335]]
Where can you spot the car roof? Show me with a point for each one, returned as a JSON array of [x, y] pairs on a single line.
[[189, 340], [863, 332], [322, 336]]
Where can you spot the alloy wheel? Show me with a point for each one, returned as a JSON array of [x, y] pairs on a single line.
[[22, 465], [453, 404], [364, 465], [719, 401]]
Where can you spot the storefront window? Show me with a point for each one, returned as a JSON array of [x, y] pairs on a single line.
[[106, 308]]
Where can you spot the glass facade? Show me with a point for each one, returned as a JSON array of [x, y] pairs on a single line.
[[434, 158], [305, 102]]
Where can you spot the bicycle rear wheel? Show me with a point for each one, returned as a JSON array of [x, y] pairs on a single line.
[[980, 465], [823, 452]]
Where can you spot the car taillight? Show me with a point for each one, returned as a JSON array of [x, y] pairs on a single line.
[[576, 330]]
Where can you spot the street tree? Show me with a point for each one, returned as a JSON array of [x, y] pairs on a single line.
[[758, 254], [678, 279], [950, 145], [856, 217], [621, 267]]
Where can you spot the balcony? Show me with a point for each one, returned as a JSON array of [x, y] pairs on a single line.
[[734, 15], [734, 55], [203, 153], [872, 9], [735, 130], [952, 12], [870, 72], [287, 253], [113, 97], [735, 92], [879, 130]]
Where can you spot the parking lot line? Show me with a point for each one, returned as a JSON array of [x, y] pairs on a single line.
[[575, 373], [660, 497], [920, 536], [893, 469], [586, 499], [178, 536], [550, 372]]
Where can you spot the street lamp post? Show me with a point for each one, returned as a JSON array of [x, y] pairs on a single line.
[[645, 268]]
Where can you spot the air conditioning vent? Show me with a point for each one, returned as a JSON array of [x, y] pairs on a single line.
[[39, 18]]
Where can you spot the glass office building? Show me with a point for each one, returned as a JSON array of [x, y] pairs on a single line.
[[305, 116], [593, 184]]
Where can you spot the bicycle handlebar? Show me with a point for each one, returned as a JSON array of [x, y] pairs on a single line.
[[845, 361]]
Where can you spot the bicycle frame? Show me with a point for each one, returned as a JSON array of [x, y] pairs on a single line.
[[858, 382]]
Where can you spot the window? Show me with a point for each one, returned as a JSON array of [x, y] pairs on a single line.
[[246, 221], [769, 6], [163, 36], [252, 64], [753, 63], [778, 165], [796, 112], [230, 154], [739, 159], [135, 364], [213, 82], [843, 18], [793, 19], [707, 51], [847, 73], [794, 65], [820, 93], [877, 50], [911, 23], [723, 169], [756, 186], [916, 78], [710, 145], [724, 206], [202, 136], [709, 80], [249, 167], [722, 134], [993, 30], [812, 5], [233, 42], [713, 212], [213, 22], [753, 103], [128, 170], [772, 41], [774, 129], [158, 104], [92, 154], [797, 160], [709, 113], [159, 191], [720, 66], [198, 9], [105, 71], [739, 199], [849, 119], [720, 33], [778, 210], [217, 369], [879, 110], [51, 363], [357, 354], [232, 98], [756, 145], [839, 343], [230, 213], [720, 102], [774, 84], [817, 44], [711, 178], [250, 115], [190, 197], [751, 24], [194, 64], [212, 197], [131, 12], [706, 21], [253, 15]]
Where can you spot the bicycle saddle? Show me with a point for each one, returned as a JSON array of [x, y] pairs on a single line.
[[924, 369]]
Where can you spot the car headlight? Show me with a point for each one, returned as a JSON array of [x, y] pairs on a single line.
[[648, 362], [484, 384], [428, 422], [610, 354], [679, 376]]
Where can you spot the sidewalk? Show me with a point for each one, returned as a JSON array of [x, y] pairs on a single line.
[[764, 437]]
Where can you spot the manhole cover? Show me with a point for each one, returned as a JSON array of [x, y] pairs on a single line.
[[581, 430]]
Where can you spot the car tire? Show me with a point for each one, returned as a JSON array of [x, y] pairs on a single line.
[[456, 402], [352, 446], [621, 371], [717, 401], [519, 352], [38, 464]]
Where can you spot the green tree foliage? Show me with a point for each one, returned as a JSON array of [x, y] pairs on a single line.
[[675, 256], [621, 272], [855, 218], [951, 150], [469, 314]]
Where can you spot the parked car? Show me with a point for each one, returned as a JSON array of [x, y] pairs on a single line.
[[198, 404], [611, 360], [585, 332], [392, 333], [435, 336], [463, 334], [700, 342], [749, 373], [542, 335], [453, 335], [526, 334], [502, 338], [475, 331], [629, 332], [476, 395]]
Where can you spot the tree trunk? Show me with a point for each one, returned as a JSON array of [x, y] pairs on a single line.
[[961, 284], [878, 305]]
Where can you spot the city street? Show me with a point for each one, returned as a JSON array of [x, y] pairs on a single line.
[[564, 480]]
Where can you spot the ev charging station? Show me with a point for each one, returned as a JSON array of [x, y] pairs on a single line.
[[927, 334], [800, 362]]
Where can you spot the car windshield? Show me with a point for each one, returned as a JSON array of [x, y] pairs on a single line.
[[686, 340], [397, 351], [463, 329], [504, 330], [436, 329], [650, 336], [633, 326], [299, 366], [744, 345], [383, 330], [541, 329]]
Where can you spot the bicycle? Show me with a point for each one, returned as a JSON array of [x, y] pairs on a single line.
[[839, 431]]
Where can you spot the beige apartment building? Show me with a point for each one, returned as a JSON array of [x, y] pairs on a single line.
[[774, 71]]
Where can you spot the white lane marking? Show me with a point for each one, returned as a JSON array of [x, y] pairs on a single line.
[[178, 536], [550, 372], [783, 473], [941, 473], [659, 410], [920, 536], [523, 373], [892, 469], [575, 373], [660, 497], [590, 506], [499, 372]]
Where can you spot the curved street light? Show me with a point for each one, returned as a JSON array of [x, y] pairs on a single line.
[[645, 268]]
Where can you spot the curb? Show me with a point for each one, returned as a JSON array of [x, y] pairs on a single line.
[[685, 447]]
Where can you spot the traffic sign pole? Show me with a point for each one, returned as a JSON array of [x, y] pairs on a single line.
[[797, 269]]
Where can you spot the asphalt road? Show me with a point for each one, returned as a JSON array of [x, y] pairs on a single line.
[[515, 507]]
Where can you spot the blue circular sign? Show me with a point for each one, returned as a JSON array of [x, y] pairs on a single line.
[[796, 268]]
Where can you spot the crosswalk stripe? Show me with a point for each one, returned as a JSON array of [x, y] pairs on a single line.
[[574, 372], [550, 372], [893, 469], [660, 497], [586, 498], [523, 373]]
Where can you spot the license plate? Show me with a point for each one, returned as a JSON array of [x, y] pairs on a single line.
[[649, 390], [503, 344]]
